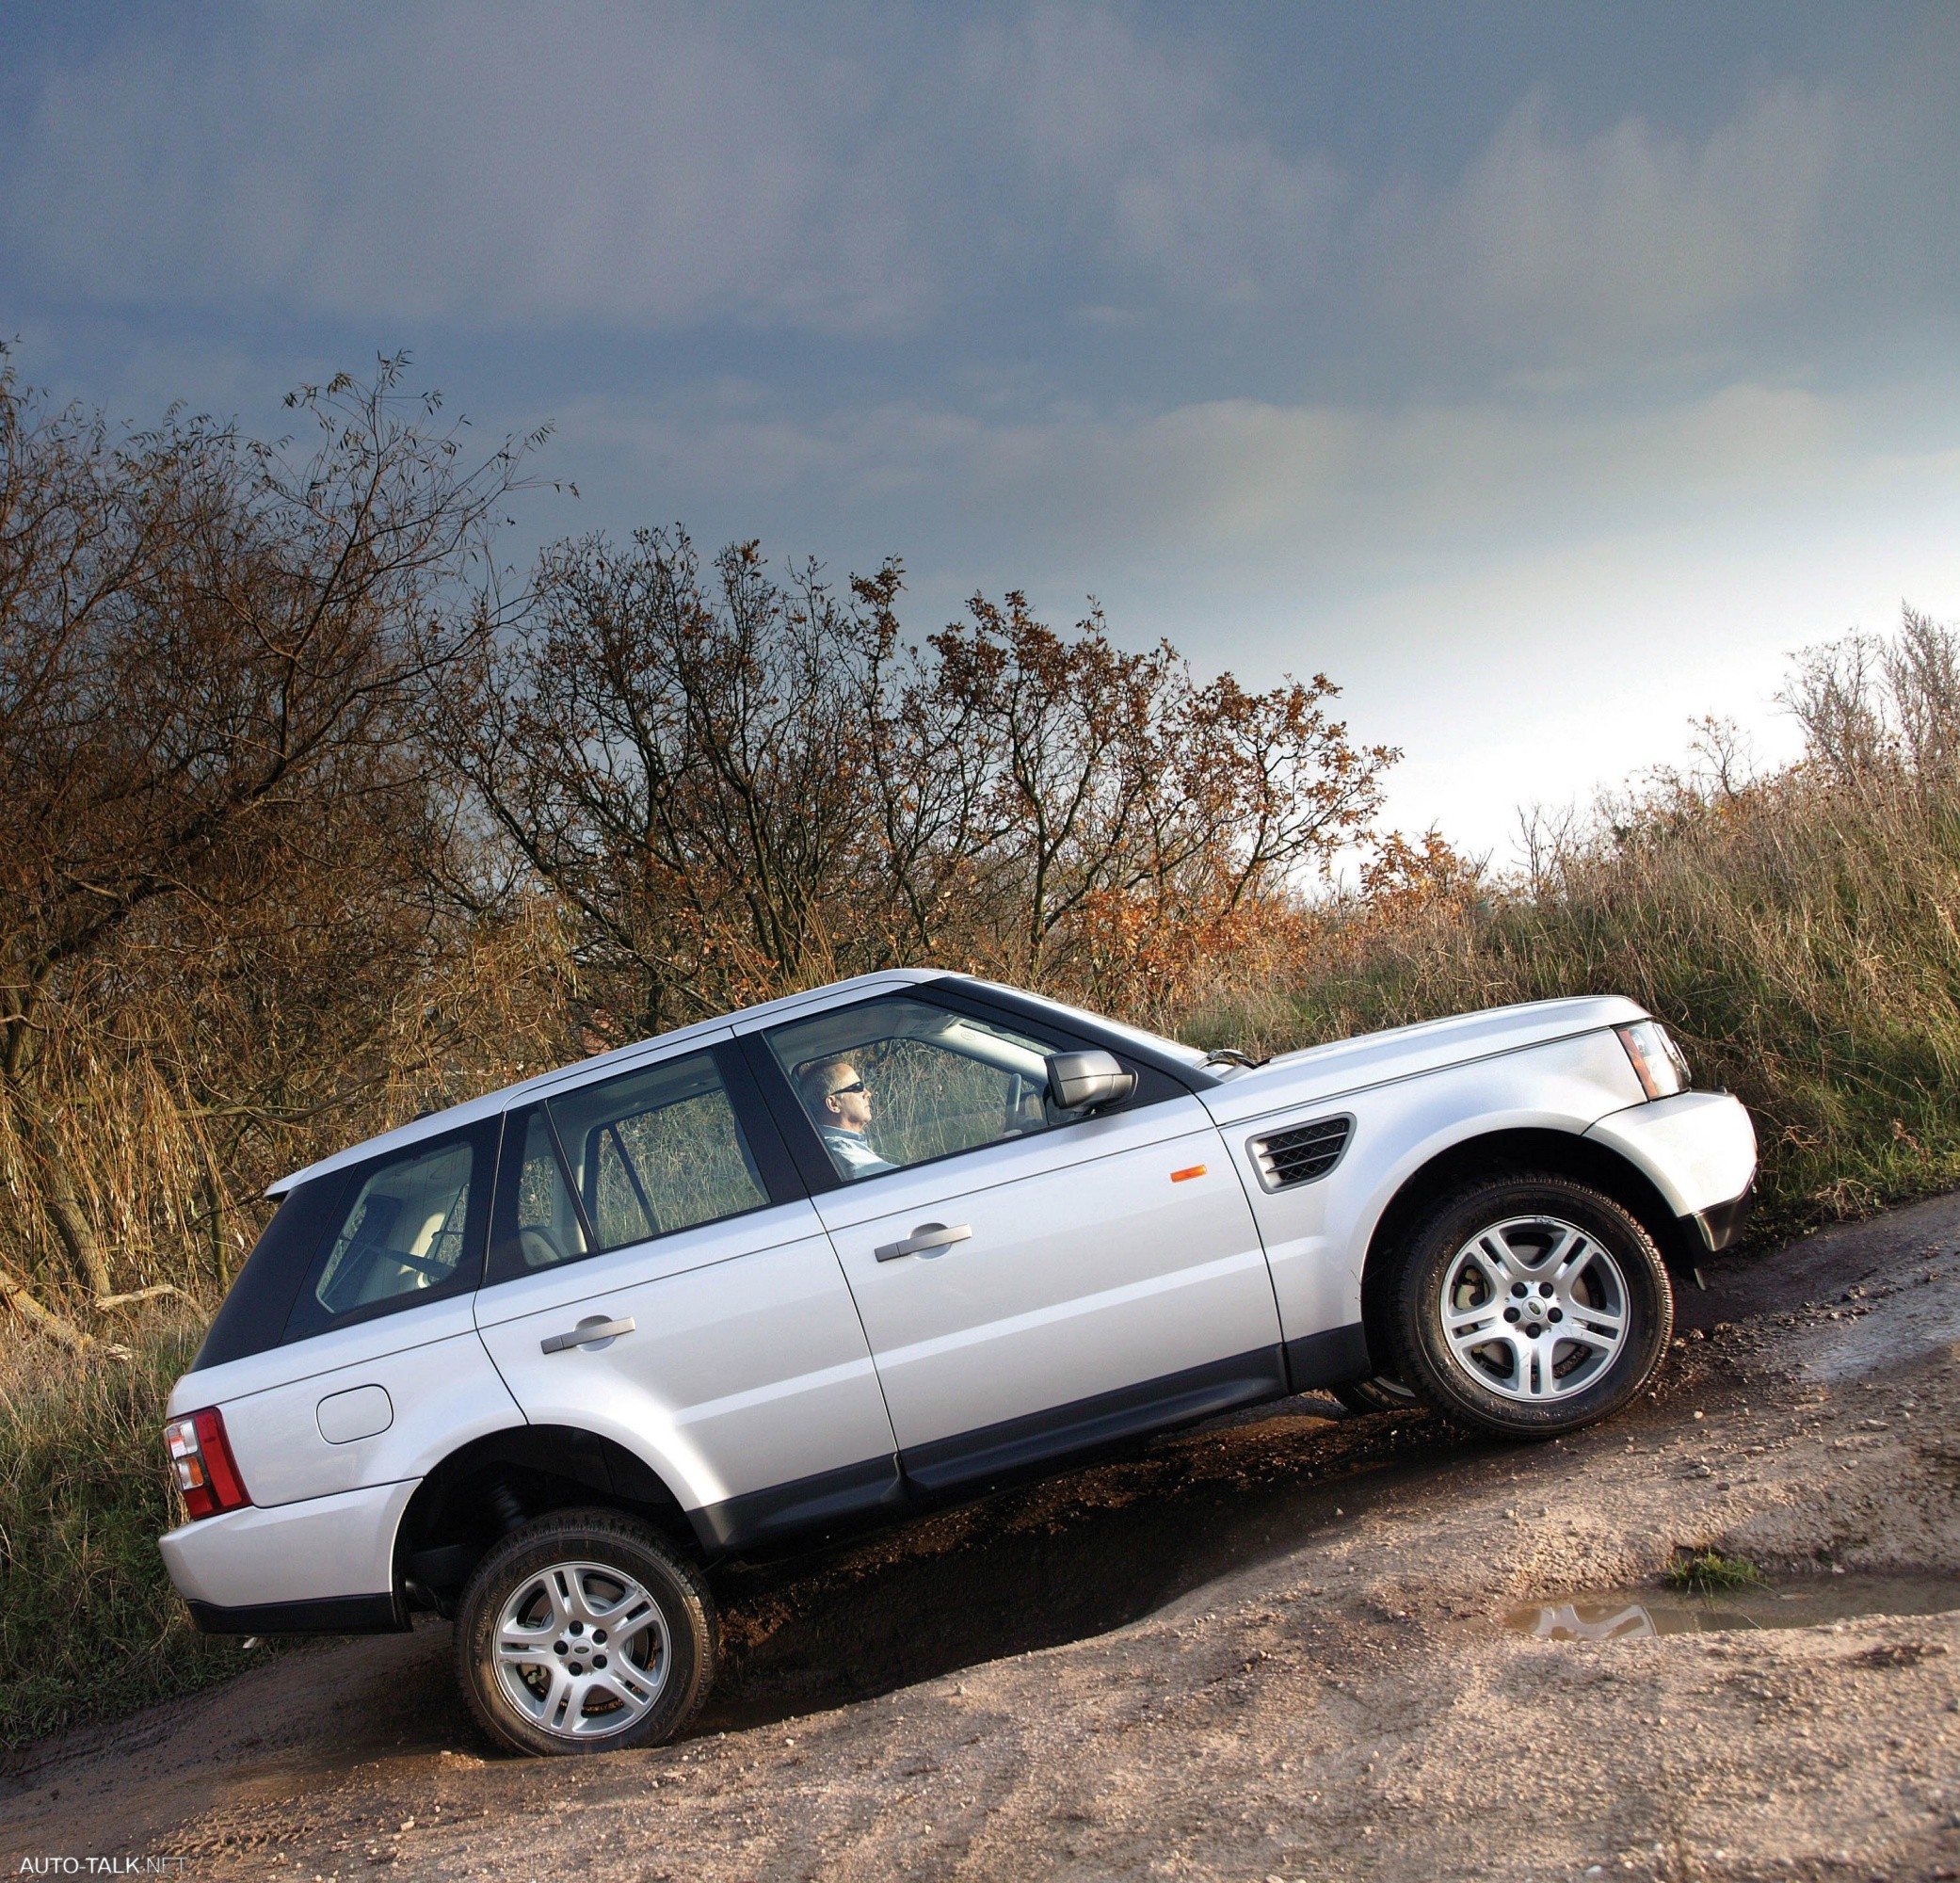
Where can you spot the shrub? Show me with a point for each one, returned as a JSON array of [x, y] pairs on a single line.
[[1796, 931]]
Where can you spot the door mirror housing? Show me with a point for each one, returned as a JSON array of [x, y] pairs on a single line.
[[1082, 1081]]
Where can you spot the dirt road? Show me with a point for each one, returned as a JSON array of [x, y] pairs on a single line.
[[1269, 1649]]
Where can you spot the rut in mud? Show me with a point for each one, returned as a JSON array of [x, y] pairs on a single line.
[[1271, 1646]]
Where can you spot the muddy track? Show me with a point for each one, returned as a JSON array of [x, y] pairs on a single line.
[[1265, 1648]]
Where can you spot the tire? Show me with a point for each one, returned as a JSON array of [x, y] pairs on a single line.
[[544, 1596], [1380, 1394], [1550, 1259]]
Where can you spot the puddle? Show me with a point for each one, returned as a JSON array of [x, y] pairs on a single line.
[[1634, 1613]]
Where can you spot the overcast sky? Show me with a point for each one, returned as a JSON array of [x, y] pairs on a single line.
[[1543, 373]]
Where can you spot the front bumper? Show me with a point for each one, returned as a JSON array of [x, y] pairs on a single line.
[[1724, 1224], [1699, 1149]]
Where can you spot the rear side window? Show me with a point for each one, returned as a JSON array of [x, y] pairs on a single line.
[[549, 1227], [404, 1234], [643, 1155], [410, 1229], [255, 1311]]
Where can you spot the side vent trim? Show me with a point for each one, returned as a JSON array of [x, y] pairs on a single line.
[[1302, 1153]]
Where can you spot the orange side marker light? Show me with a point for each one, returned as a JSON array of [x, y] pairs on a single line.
[[1185, 1175]]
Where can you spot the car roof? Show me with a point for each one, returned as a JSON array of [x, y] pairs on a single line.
[[623, 1058]]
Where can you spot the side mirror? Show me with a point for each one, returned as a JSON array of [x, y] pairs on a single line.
[[1079, 1081]]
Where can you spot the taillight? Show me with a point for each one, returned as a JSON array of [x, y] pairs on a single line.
[[201, 1454], [1658, 1062]]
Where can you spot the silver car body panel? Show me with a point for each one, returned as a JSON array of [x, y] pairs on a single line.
[[746, 1366], [441, 1385], [1092, 1266], [1317, 1235]]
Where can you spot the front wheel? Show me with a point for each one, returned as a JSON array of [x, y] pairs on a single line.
[[1530, 1305], [584, 1633]]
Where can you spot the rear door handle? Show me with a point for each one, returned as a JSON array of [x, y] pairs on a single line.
[[594, 1330], [927, 1235]]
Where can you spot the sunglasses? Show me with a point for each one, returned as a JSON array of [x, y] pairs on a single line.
[[855, 1086]]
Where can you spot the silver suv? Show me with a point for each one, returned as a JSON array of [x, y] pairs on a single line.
[[537, 1362]]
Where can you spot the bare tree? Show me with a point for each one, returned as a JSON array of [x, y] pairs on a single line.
[[1115, 796], [741, 785], [680, 754], [211, 654]]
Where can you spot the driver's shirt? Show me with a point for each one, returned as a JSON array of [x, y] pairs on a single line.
[[851, 1151]]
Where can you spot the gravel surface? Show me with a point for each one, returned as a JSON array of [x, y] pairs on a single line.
[[1267, 1649]]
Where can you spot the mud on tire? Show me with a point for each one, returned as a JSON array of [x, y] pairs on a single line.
[[584, 1632], [1379, 1394], [1531, 1305]]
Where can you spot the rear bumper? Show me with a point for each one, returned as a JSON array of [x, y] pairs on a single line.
[[320, 1557], [330, 1614]]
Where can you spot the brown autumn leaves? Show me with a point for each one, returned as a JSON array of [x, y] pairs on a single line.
[[317, 815]]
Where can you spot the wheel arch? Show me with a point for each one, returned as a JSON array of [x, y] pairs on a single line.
[[1500, 1154], [484, 1490]]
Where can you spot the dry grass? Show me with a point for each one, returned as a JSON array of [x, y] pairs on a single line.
[[1799, 938], [1800, 933], [88, 1625]]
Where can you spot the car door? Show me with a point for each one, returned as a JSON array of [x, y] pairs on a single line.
[[1030, 1281], [658, 1277], [378, 1359]]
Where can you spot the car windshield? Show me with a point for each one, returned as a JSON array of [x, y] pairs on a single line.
[[1154, 1042]]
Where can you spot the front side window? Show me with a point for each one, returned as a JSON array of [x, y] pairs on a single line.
[[404, 1232], [895, 1082], [643, 1155]]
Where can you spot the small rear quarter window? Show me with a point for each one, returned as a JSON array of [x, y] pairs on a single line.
[[254, 1315], [410, 1229]]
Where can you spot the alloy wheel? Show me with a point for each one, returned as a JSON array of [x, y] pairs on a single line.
[[1534, 1309], [581, 1650]]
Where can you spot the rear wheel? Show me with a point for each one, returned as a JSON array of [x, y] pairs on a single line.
[[584, 1632], [1530, 1305]]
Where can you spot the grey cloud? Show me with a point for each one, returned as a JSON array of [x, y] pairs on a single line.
[[1138, 151], [527, 163], [1313, 489], [649, 167], [1624, 238], [879, 174]]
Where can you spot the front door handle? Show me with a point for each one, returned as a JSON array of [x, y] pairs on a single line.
[[927, 1235], [594, 1330]]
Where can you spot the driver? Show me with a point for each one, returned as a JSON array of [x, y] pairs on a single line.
[[839, 1107]]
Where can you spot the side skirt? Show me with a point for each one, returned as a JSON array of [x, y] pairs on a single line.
[[767, 1516], [1176, 1399], [886, 1485]]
